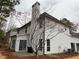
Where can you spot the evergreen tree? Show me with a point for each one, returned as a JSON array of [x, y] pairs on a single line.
[[6, 7]]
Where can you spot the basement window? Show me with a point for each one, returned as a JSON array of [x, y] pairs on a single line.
[[48, 44]]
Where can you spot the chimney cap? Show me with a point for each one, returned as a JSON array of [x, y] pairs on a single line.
[[36, 4]]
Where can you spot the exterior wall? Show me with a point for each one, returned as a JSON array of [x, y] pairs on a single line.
[[9, 42], [24, 37], [21, 35], [36, 35], [13, 32], [28, 29], [7, 37], [59, 42], [22, 31]]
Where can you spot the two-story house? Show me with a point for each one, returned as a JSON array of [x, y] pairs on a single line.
[[44, 33]]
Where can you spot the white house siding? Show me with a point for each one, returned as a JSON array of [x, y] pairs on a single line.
[[20, 37], [28, 29], [61, 41], [13, 32], [22, 31], [28, 34]]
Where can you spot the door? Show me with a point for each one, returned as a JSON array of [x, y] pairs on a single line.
[[73, 46], [22, 45]]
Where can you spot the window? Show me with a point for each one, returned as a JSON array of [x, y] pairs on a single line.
[[22, 45], [48, 44], [26, 30], [77, 45], [13, 42], [73, 46], [40, 44]]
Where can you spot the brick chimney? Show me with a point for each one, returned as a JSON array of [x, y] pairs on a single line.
[[35, 16], [35, 10]]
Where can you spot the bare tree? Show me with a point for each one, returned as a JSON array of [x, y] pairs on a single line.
[[51, 6], [11, 23], [40, 34], [18, 18]]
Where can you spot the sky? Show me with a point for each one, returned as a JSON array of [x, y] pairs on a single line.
[[58, 8]]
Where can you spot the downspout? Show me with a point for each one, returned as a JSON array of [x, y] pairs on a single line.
[[44, 36]]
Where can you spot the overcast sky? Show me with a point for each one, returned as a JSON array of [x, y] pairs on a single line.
[[57, 8]]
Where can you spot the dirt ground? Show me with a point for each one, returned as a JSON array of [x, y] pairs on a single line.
[[13, 55], [76, 57], [3, 56]]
